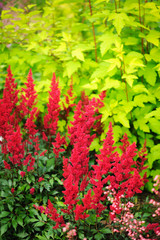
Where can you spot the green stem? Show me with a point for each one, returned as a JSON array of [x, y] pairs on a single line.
[[115, 6], [93, 30], [140, 20]]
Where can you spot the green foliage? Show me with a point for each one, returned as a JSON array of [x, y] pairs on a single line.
[[64, 36]]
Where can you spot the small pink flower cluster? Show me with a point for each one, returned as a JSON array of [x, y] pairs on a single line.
[[71, 233], [125, 220]]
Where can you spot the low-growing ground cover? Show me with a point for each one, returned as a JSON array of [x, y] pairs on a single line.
[[54, 185]]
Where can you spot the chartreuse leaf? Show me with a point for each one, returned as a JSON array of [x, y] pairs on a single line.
[[95, 145], [61, 125], [100, 71], [122, 118], [155, 113], [140, 99], [106, 112], [153, 37], [111, 83], [119, 20], [127, 106], [154, 125], [72, 67], [154, 155], [133, 61], [114, 62], [107, 40], [139, 88], [78, 54], [150, 74], [117, 132], [141, 124], [129, 78]]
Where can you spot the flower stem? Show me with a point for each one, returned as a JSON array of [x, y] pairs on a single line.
[[93, 30]]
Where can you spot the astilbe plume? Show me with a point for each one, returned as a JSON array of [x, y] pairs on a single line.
[[76, 168], [68, 103], [9, 111], [30, 112], [51, 118], [59, 141], [117, 171]]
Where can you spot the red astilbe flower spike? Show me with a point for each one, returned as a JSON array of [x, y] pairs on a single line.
[[83, 122], [142, 158], [68, 103], [6, 165], [9, 111], [51, 118], [29, 95], [52, 214], [29, 110], [59, 141], [118, 171], [15, 146], [76, 169]]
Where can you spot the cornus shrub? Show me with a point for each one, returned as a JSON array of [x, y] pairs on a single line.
[[80, 193]]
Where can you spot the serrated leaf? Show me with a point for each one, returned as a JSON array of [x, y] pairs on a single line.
[[39, 224], [141, 124], [153, 37], [119, 20], [122, 118], [106, 230], [34, 220], [114, 62], [117, 132], [78, 54], [20, 221], [4, 214], [72, 67], [111, 83], [154, 155], [150, 74], [142, 98], [154, 125], [129, 78], [4, 228], [155, 113], [91, 86], [14, 223], [139, 88], [22, 235], [127, 106], [98, 236], [107, 40], [58, 180], [95, 145]]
